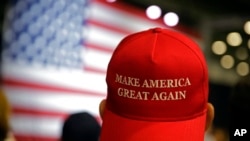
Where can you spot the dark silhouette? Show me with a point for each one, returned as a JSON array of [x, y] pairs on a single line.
[[239, 109], [80, 127]]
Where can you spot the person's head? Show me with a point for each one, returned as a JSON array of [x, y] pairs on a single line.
[[80, 126], [157, 82], [239, 109]]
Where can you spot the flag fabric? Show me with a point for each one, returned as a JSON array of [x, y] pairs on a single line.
[[55, 55]]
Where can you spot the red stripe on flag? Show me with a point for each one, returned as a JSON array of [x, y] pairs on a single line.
[[31, 85], [108, 26], [43, 113], [34, 138], [99, 48], [39, 113]]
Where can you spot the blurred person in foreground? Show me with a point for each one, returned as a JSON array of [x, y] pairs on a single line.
[[239, 109], [5, 113], [81, 126], [157, 82]]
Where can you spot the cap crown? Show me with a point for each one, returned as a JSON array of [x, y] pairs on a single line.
[[157, 75]]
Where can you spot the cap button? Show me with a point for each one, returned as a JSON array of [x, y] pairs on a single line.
[[157, 30]]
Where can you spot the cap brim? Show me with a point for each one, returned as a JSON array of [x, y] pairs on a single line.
[[117, 128]]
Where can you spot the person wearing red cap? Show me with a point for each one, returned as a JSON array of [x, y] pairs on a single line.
[[157, 89]]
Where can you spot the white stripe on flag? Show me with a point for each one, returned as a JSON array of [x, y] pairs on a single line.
[[103, 37], [53, 101], [100, 63], [75, 79], [27, 125]]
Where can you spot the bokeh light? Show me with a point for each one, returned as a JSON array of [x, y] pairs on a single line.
[[219, 47], [247, 27], [234, 39], [227, 61], [171, 19], [241, 53], [110, 1], [242, 68], [153, 12]]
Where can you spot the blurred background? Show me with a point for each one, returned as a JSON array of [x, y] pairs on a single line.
[[55, 53]]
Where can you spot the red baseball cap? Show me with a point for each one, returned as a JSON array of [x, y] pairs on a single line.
[[157, 82]]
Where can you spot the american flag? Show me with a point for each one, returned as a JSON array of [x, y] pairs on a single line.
[[55, 54]]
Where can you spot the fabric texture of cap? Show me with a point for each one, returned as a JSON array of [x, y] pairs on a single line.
[[157, 89]]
